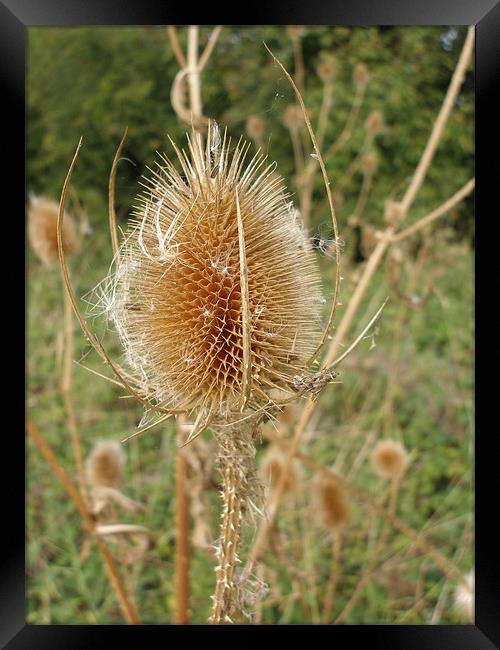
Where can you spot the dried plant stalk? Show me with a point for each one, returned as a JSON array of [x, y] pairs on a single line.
[[182, 545], [128, 608]]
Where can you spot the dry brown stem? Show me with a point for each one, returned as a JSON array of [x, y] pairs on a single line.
[[447, 567], [438, 212], [182, 545], [129, 611]]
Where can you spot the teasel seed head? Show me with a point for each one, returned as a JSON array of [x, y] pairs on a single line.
[[389, 458], [295, 31], [369, 163], [216, 296], [271, 470], [374, 123], [331, 504], [368, 239], [255, 127], [42, 230], [393, 214], [361, 75], [105, 464], [292, 117], [327, 68]]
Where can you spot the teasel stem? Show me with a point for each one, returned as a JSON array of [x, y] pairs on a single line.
[[225, 587], [236, 461], [182, 546]]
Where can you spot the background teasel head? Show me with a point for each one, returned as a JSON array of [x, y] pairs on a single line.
[[331, 504], [271, 468], [389, 458], [361, 75], [215, 262], [105, 464], [42, 230], [374, 123], [327, 67]]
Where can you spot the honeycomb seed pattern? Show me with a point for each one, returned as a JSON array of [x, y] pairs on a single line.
[[176, 296]]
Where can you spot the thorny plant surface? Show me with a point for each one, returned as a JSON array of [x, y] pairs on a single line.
[[251, 392]]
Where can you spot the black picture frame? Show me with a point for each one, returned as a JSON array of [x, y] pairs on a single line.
[[15, 17]]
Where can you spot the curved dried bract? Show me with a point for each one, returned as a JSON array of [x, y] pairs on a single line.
[[211, 247]]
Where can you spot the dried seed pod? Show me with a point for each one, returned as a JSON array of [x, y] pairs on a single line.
[[292, 117], [369, 163], [393, 215], [361, 75], [374, 123], [216, 297], [368, 240], [42, 230], [271, 470], [331, 504], [295, 31], [389, 458], [105, 464], [255, 127], [327, 68], [394, 262]]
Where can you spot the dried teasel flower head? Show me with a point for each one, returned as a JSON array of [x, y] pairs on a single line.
[[331, 504], [368, 239], [292, 117], [393, 215], [255, 127], [389, 458], [394, 262], [374, 123], [105, 464], [42, 230], [216, 296], [361, 75], [295, 31], [464, 598], [327, 68], [271, 470], [369, 163]]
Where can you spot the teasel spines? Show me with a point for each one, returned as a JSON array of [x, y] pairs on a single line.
[[177, 297]]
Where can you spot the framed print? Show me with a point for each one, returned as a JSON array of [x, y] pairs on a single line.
[[253, 391]]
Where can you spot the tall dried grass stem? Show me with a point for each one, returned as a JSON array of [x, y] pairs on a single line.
[[128, 609], [176, 46], [182, 545], [438, 212], [447, 106], [446, 566]]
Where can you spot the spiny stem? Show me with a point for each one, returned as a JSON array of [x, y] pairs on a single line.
[[225, 588], [182, 547], [240, 483]]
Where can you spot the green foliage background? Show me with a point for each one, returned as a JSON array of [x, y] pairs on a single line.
[[94, 82]]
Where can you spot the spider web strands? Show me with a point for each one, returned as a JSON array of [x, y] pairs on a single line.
[[68, 287], [370, 268], [128, 609], [317, 151]]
